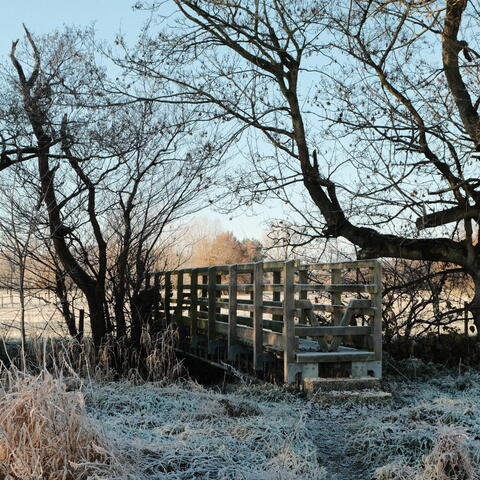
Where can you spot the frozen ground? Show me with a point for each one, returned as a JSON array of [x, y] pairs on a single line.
[[261, 432], [431, 431]]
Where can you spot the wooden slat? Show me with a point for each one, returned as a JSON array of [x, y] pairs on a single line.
[[341, 308], [156, 308], [330, 357], [377, 304], [168, 292], [303, 279], [232, 309], [327, 331], [288, 319], [341, 265], [336, 288], [212, 278], [258, 316], [179, 299], [193, 301]]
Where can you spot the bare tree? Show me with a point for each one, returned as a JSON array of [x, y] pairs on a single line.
[[113, 177], [371, 105]]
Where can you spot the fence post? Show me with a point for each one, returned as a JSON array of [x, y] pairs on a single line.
[[258, 316], [193, 301], [232, 309], [288, 318], [212, 303], [377, 304]]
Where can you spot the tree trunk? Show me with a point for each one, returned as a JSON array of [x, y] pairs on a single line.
[[97, 317]]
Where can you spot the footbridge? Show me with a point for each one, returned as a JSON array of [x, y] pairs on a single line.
[[287, 320]]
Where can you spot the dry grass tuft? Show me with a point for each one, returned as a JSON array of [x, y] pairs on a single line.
[[397, 470], [449, 459], [45, 433]]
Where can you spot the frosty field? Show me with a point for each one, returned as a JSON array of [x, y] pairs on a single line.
[[121, 430]]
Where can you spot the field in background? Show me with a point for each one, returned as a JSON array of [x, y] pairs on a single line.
[[42, 317]]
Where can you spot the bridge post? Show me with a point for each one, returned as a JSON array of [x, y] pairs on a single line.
[[156, 306], [193, 301], [258, 316], [288, 319], [377, 304], [179, 307], [277, 279], [232, 310], [212, 303], [168, 293]]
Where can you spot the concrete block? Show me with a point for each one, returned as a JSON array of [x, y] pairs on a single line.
[[314, 385], [367, 369]]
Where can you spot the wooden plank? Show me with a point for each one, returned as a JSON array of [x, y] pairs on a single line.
[[232, 310], [179, 299], [303, 279], [247, 321], [330, 357], [193, 302], [258, 316], [168, 293], [244, 334], [341, 265], [337, 288], [288, 318], [341, 308], [323, 331], [252, 293], [377, 304], [156, 307], [212, 278]]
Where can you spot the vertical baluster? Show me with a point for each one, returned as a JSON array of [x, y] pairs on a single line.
[[193, 301], [288, 319], [258, 316], [212, 302], [377, 304], [232, 309], [168, 296]]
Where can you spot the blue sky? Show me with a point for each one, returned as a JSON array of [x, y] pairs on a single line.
[[109, 17]]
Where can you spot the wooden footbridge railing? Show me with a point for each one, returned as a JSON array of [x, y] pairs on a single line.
[[303, 317]]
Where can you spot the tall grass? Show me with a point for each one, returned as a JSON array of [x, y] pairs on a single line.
[[45, 432]]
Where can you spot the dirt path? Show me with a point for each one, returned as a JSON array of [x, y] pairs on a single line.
[[331, 429]]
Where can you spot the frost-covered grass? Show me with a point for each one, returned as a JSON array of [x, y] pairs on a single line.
[[51, 427], [433, 423], [187, 432]]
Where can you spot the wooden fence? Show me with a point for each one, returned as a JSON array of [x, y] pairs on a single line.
[[307, 315]]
